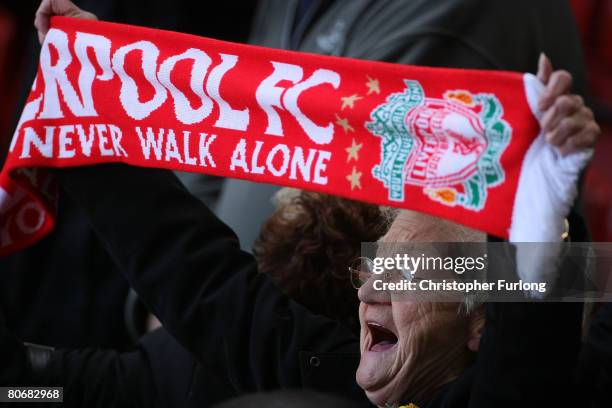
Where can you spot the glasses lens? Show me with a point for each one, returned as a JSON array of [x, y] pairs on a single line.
[[360, 271]]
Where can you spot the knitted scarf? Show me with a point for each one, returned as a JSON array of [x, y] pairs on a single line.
[[453, 143]]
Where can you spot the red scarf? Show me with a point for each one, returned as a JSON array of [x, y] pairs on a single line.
[[448, 142]]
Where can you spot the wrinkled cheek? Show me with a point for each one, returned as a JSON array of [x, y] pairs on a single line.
[[410, 348], [401, 361]]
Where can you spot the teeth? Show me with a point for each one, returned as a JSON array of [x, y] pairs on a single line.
[[380, 327], [381, 335]]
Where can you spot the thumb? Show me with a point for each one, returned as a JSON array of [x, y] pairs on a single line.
[[545, 69]]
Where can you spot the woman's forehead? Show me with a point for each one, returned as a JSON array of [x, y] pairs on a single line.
[[413, 226]]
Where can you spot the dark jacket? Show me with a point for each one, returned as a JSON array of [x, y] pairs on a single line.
[[188, 269], [51, 292], [481, 34], [595, 363], [242, 334]]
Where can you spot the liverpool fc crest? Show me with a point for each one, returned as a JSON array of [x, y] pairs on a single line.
[[451, 147]]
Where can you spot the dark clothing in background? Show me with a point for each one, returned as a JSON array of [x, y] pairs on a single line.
[[595, 367], [488, 34], [244, 334], [482, 34], [65, 291]]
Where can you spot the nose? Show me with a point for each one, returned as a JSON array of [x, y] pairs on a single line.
[[369, 295]]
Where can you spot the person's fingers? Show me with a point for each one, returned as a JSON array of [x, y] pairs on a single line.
[[560, 83], [41, 19], [545, 69], [564, 106], [567, 127], [50, 8], [585, 139], [571, 126], [41, 36]]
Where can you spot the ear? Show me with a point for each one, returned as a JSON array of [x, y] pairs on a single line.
[[475, 328]]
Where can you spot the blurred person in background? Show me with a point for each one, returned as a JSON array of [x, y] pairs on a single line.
[[307, 243]]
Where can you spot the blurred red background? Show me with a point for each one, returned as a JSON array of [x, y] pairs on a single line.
[[594, 20]]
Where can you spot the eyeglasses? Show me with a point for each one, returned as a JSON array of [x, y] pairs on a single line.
[[362, 269]]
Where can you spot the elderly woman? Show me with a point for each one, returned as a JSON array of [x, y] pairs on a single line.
[[246, 336]]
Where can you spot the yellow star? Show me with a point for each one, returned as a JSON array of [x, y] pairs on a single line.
[[373, 85], [354, 178], [353, 151], [344, 124], [349, 101]]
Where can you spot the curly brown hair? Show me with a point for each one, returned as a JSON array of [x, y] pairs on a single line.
[[307, 245]]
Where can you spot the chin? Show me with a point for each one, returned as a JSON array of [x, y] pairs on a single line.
[[381, 397], [376, 398], [373, 376]]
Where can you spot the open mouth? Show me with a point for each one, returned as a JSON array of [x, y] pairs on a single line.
[[382, 338]]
